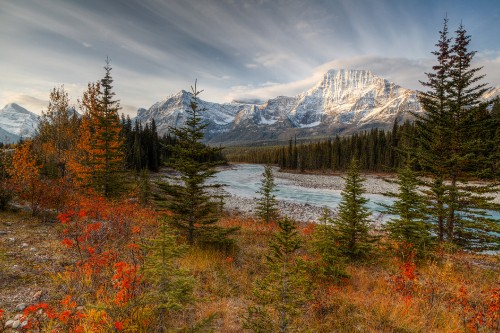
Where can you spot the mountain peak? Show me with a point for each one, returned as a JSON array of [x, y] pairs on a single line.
[[14, 107], [18, 121]]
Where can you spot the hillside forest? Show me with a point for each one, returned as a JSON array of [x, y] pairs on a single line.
[[108, 227]]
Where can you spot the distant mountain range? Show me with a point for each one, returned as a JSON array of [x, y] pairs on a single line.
[[343, 102], [16, 122]]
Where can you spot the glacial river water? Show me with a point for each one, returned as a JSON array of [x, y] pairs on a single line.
[[244, 180]]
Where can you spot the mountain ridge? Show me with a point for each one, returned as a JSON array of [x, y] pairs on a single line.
[[343, 101]]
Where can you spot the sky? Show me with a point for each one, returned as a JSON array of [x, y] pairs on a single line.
[[236, 49]]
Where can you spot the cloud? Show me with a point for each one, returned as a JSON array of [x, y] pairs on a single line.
[[404, 72], [271, 59], [255, 49]]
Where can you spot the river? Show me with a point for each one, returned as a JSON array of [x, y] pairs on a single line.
[[244, 180]]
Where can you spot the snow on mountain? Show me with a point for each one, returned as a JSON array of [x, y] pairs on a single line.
[[342, 100], [491, 94], [171, 112], [18, 121], [7, 137], [352, 97]]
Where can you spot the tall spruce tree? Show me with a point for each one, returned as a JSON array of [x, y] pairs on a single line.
[[451, 147], [352, 225], [108, 148], [195, 210], [266, 204], [284, 290]]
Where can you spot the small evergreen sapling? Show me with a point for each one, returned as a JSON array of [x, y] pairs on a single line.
[[409, 226], [282, 293], [352, 225], [171, 288], [266, 204], [325, 244]]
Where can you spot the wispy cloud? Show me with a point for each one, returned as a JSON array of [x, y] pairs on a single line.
[[257, 49]]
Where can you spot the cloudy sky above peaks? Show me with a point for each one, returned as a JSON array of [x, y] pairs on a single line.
[[236, 49]]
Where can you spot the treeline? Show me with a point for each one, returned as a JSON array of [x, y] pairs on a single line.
[[375, 150], [144, 149]]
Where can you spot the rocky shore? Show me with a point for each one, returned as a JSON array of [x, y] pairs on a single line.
[[303, 212], [374, 184]]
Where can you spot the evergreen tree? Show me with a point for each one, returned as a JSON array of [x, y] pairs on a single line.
[[266, 204], [188, 195], [451, 147], [144, 187], [108, 147], [6, 187], [171, 287], [434, 203], [432, 127], [352, 224], [284, 290], [325, 244], [408, 226]]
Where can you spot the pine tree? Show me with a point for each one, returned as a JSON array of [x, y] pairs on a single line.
[[451, 147], [325, 244], [6, 187], [108, 148], [352, 224], [266, 204], [408, 226], [144, 188], [188, 195], [171, 287], [434, 201], [284, 290]]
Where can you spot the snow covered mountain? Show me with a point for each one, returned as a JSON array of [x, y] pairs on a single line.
[[343, 101], [17, 122]]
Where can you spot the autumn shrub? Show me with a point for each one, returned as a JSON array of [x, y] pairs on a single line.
[[103, 241]]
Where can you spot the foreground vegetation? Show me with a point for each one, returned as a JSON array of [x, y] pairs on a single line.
[[105, 287]]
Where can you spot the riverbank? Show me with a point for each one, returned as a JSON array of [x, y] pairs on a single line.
[[245, 206], [374, 184]]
